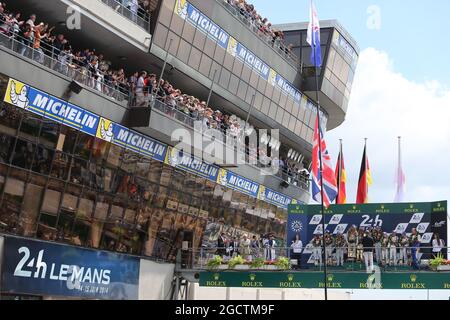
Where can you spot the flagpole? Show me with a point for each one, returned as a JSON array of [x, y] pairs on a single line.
[[339, 173], [324, 255], [365, 165]]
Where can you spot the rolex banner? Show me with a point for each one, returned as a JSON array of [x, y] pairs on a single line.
[[427, 218], [315, 280]]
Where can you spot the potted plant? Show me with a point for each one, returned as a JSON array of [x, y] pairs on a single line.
[[258, 263], [214, 263], [283, 263], [237, 263], [439, 263], [270, 265]]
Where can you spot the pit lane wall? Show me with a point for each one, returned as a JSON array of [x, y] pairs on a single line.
[[51, 270]]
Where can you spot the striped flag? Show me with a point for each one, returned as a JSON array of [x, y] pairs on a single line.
[[313, 37], [365, 180], [400, 177], [329, 178], [341, 178]]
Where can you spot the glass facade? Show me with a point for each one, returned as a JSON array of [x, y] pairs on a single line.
[[59, 184], [195, 49]]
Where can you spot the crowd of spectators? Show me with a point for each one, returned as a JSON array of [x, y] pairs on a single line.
[[91, 68], [138, 8], [262, 25]]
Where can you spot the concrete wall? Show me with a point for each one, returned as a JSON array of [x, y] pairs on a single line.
[[155, 280], [107, 17], [203, 293]]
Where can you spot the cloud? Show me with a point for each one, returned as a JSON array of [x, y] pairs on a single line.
[[385, 105]]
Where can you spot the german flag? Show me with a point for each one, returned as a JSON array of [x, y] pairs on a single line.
[[341, 178], [365, 180]]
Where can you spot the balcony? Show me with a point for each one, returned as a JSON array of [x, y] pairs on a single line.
[[279, 47], [136, 14]]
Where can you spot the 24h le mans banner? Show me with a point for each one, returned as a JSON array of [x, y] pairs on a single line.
[[427, 218]]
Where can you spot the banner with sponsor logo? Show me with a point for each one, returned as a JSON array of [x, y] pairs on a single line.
[[131, 140], [233, 181], [41, 268], [188, 12], [315, 280], [23, 96], [191, 164], [427, 218], [274, 197]]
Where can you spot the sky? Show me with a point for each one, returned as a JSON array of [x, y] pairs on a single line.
[[401, 88]]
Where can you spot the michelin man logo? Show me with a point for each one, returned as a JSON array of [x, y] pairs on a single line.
[[272, 77], [174, 157], [232, 46], [19, 99], [262, 193], [106, 131], [181, 8], [223, 177]]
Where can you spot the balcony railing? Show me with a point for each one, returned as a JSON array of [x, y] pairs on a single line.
[[132, 12], [277, 45], [392, 259], [63, 63], [283, 175]]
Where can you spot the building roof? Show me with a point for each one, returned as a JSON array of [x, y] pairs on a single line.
[[323, 24]]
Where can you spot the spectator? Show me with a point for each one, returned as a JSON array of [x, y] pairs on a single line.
[[368, 245]]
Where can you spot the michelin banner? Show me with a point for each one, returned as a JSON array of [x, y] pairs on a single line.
[[38, 102], [233, 181], [132, 140], [41, 268], [191, 164], [274, 197], [188, 12]]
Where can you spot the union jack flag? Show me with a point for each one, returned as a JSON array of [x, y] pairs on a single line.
[[329, 178]]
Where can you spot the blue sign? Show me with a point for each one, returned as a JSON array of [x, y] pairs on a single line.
[[253, 61], [60, 111], [138, 143], [40, 268], [275, 198], [192, 164], [236, 182], [288, 88], [205, 24]]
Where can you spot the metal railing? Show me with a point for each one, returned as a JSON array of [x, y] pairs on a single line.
[[277, 44], [133, 12], [64, 64], [288, 176], [393, 259]]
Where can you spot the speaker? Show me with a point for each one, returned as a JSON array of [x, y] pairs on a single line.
[[284, 184], [139, 117], [75, 87]]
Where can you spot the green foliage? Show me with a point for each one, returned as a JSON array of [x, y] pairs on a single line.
[[438, 261], [214, 263], [257, 263], [235, 261], [283, 263]]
